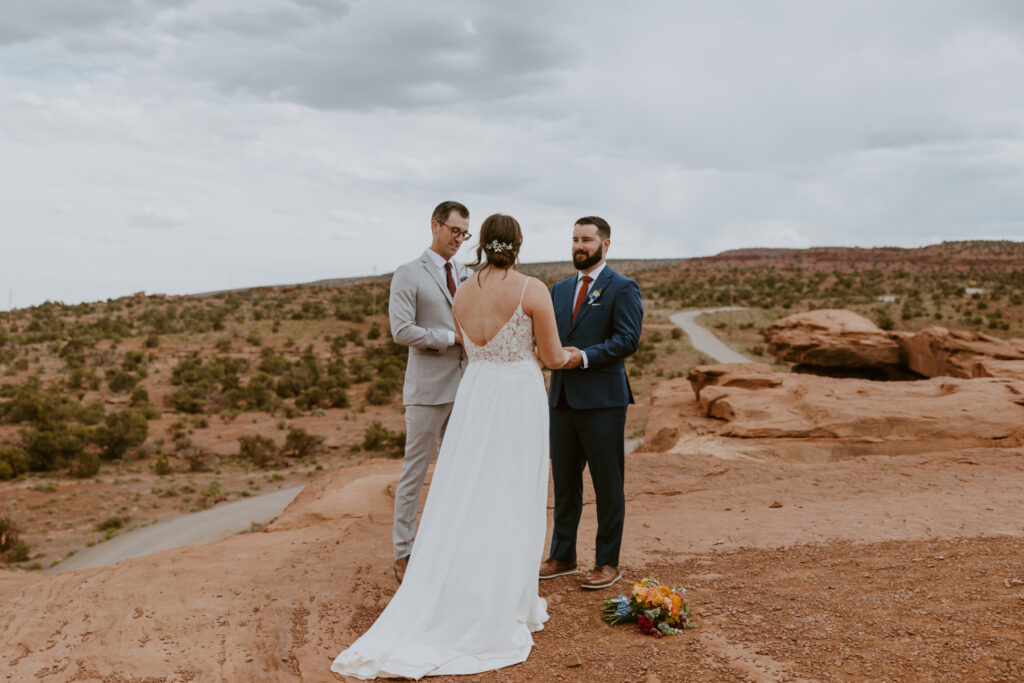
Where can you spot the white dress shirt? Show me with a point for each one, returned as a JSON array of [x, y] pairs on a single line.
[[439, 262], [590, 285]]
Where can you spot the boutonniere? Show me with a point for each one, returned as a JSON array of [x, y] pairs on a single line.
[[593, 296]]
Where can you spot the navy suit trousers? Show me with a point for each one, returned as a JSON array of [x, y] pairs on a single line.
[[579, 438]]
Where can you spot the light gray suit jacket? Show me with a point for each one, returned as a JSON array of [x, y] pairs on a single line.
[[421, 318]]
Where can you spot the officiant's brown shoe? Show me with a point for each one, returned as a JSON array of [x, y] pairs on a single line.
[[400, 565], [601, 576], [550, 568]]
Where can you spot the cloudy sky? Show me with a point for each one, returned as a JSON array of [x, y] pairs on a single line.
[[190, 145]]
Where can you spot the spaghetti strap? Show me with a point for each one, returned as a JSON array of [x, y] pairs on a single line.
[[523, 295]]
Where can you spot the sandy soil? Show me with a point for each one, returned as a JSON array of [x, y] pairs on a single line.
[[900, 568]]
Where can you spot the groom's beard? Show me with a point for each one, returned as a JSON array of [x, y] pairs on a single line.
[[582, 260]]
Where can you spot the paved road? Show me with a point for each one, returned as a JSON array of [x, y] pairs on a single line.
[[200, 527], [704, 340]]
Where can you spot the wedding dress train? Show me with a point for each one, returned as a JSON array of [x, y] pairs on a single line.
[[469, 602]]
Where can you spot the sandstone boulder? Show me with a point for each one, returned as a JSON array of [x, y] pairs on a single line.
[[810, 418], [831, 338], [937, 351], [989, 367], [747, 375]]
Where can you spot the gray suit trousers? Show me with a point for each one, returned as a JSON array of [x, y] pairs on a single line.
[[424, 429]]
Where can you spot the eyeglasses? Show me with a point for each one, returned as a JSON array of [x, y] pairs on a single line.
[[456, 233]]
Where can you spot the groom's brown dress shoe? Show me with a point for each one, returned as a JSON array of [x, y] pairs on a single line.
[[400, 565], [601, 576], [551, 568]]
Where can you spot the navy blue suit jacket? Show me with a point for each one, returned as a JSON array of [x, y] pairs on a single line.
[[607, 329]]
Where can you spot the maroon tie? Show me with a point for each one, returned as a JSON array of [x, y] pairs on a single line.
[[586, 279], [451, 280]]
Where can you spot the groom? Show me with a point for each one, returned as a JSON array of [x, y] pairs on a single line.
[[420, 310], [599, 314]]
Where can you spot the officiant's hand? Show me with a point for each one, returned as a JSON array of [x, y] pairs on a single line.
[[575, 358]]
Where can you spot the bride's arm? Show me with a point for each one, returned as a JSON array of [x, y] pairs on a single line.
[[537, 304]]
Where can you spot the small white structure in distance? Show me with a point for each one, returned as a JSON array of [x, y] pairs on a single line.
[[974, 290], [886, 298]]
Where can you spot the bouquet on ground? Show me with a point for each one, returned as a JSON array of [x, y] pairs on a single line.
[[657, 609]]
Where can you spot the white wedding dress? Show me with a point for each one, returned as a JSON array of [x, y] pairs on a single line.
[[469, 599]]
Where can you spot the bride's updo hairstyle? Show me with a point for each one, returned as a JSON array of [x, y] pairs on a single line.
[[500, 239]]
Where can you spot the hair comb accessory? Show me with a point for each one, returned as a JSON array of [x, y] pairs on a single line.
[[496, 246]]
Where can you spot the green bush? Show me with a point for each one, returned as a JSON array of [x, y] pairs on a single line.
[[86, 465], [13, 462], [115, 522], [162, 466], [121, 431], [300, 444], [49, 449], [377, 437], [19, 553], [261, 450], [10, 531]]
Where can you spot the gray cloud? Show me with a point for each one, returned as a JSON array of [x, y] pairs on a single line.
[[316, 135]]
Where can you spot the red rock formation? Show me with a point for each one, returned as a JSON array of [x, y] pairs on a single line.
[[806, 417], [938, 351], [831, 338]]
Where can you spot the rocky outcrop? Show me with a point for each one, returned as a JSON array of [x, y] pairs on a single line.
[[743, 375], [841, 343], [831, 338], [751, 412], [988, 367], [940, 352]]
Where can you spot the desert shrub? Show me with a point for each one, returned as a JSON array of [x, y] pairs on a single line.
[[211, 495], [10, 534], [300, 444], [381, 391], [377, 437], [121, 431], [260, 450], [258, 392], [223, 344], [114, 522], [374, 332], [884, 321], [198, 460], [645, 353], [152, 341], [676, 333], [43, 408], [140, 402], [19, 553], [73, 352], [121, 381], [51, 448], [295, 380], [13, 462], [86, 465], [162, 466], [91, 413], [271, 362], [214, 381]]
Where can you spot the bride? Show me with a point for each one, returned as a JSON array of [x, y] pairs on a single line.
[[469, 602]]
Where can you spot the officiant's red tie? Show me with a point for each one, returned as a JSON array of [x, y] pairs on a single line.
[[451, 280], [586, 279]]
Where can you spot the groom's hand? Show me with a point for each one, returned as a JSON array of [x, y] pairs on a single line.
[[575, 358]]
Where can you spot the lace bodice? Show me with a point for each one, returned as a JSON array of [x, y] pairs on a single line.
[[513, 342]]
